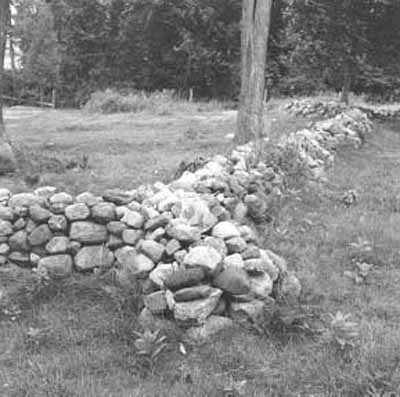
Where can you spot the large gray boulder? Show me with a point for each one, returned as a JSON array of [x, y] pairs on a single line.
[[88, 232]]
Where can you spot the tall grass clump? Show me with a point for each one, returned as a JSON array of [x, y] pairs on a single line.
[[158, 102]]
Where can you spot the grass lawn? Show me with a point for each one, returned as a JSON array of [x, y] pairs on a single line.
[[81, 337]]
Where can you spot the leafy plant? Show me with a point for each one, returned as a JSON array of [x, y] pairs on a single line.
[[342, 331], [149, 346]]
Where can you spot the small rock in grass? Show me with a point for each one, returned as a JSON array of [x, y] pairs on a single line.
[[136, 264], [94, 256], [56, 266], [156, 302], [212, 326]]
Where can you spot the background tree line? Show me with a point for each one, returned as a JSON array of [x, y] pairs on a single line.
[[74, 47]]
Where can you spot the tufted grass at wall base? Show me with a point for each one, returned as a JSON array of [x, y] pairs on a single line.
[[76, 339]]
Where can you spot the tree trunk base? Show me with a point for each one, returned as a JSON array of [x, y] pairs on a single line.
[[7, 159]]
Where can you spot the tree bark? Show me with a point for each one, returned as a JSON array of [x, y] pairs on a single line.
[[4, 7], [7, 159], [254, 39]]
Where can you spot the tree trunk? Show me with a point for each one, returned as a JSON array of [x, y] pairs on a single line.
[[7, 159], [254, 39], [344, 96]]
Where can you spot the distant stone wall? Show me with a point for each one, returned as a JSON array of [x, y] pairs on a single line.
[[189, 242], [310, 107]]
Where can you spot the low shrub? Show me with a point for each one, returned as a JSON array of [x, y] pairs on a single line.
[[158, 102]]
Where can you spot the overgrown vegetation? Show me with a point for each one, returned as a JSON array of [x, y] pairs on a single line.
[[157, 103], [78, 48]]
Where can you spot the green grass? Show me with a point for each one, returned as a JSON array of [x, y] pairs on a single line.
[[124, 149], [86, 347]]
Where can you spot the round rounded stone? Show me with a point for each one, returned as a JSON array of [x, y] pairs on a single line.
[[88, 198], [207, 258], [40, 235], [6, 213], [77, 212], [58, 223], [118, 196], [116, 227], [56, 266], [45, 191], [152, 249], [88, 232], [225, 230], [233, 280], [25, 200], [132, 237], [20, 258], [19, 241], [104, 212], [5, 228], [59, 201], [89, 258], [39, 214], [58, 245], [133, 219], [4, 249], [236, 245]]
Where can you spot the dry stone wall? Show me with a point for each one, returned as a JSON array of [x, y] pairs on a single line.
[[311, 107], [188, 242]]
